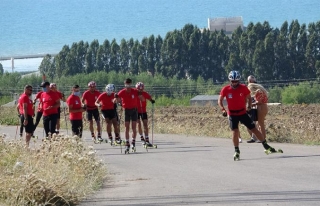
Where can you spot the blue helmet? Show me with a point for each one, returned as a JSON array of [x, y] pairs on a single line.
[[234, 76]]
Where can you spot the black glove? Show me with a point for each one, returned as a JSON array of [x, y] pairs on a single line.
[[84, 107], [19, 115], [152, 101], [224, 113]]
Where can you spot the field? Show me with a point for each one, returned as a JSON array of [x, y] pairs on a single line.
[[284, 123]]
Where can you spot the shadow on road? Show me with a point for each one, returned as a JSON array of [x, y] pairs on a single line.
[[217, 198]]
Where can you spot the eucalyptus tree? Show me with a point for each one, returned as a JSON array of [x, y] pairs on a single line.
[[104, 56], [115, 56], [47, 66], [91, 57]]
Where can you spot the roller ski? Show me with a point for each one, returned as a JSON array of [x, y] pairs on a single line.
[[149, 145], [143, 141], [118, 142], [34, 137], [271, 150], [109, 141], [236, 156], [127, 150], [99, 140], [133, 147]]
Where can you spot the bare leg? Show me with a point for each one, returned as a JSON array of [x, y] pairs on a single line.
[[28, 137]]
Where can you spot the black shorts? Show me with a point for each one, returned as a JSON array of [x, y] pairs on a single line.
[[244, 119], [143, 116], [59, 111], [29, 128], [94, 113], [130, 114], [109, 113], [77, 127]]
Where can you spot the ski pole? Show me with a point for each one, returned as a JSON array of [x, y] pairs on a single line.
[[19, 123], [119, 120], [104, 120], [65, 117], [152, 111]]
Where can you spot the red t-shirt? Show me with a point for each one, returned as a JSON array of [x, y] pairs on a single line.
[[59, 94], [142, 105], [129, 98], [49, 99], [90, 99], [236, 98], [106, 101], [76, 104], [24, 99], [38, 96]]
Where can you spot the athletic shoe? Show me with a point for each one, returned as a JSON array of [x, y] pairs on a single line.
[[251, 141]]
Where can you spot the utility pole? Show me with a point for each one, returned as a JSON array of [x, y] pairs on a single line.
[[12, 63]]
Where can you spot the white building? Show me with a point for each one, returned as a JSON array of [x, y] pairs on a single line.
[[227, 24]]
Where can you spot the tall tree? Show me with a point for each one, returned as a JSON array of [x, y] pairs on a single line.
[[47, 66], [1, 69], [124, 56], [115, 56], [91, 57]]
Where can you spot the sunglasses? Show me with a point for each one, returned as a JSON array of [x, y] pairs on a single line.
[[234, 81], [29, 89]]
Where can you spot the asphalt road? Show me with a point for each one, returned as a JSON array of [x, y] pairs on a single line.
[[188, 170]]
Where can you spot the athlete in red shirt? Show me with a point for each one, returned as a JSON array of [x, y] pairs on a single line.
[[142, 113], [129, 99], [39, 110], [50, 102], [238, 96], [89, 98], [75, 111], [27, 112], [109, 113], [53, 87]]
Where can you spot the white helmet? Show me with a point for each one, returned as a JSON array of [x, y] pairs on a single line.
[[234, 76], [140, 86], [110, 88]]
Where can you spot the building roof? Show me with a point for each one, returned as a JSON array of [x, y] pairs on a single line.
[[228, 24], [205, 98]]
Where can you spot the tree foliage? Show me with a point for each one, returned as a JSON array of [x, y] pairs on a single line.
[[288, 53]]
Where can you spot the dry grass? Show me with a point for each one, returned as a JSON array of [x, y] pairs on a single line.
[[61, 171], [284, 123]]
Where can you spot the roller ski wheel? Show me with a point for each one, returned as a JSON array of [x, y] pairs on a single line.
[[34, 137], [133, 149], [236, 156], [119, 143], [127, 150], [272, 150], [149, 145], [109, 141]]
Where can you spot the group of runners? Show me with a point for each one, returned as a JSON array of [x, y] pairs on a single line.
[[92, 102], [240, 99]]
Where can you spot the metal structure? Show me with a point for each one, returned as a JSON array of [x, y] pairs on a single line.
[[227, 24]]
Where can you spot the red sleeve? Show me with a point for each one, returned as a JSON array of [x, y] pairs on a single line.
[[100, 97], [38, 95], [120, 94], [68, 100], [59, 95], [25, 99], [223, 91], [84, 96], [146, 95]]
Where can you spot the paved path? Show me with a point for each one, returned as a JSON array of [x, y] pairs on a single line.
[[187, 170]]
